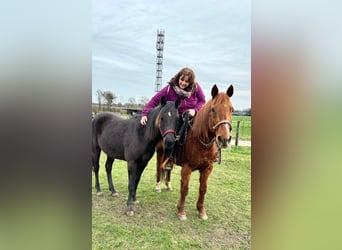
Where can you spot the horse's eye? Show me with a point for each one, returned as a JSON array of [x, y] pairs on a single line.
[[212, 110]]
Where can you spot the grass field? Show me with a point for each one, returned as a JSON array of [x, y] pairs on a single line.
[[155, 224], [245, 127]]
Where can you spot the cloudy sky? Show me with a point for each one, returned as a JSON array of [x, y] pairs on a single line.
[[211, 37]]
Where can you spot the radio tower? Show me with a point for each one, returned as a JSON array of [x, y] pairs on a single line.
[[159, 61]]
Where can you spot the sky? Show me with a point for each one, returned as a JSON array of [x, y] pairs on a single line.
[[211, 37]]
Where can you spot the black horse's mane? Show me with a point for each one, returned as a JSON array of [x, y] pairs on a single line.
[[151, 128]]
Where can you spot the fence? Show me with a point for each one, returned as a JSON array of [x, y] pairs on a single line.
[[242, 129]]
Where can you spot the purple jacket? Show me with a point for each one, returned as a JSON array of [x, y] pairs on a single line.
[[195, 101]]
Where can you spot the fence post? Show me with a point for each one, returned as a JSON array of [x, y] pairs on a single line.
[[237, 134]]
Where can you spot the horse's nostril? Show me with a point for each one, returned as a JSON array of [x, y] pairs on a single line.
[[223, 141]]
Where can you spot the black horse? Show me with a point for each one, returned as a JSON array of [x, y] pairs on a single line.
[[127, 139]]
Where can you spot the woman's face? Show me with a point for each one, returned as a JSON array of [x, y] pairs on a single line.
[[183, 82]]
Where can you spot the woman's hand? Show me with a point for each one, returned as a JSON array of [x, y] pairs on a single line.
[[192, 112], [143, 120]]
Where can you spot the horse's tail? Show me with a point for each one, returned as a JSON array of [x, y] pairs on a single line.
[[94, 142], [97, 125]]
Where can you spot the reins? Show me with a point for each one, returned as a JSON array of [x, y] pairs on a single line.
[[209, 144]]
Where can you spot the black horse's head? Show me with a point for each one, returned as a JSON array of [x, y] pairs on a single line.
[[167, 121]]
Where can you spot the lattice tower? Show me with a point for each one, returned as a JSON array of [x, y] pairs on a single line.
[[159, 60]]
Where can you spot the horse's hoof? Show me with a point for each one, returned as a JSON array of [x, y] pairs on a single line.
[[182, 217], [115, 194], [129, 213], [168, 186], [203, 216], [158, 188], [136, 202], [99, 193]]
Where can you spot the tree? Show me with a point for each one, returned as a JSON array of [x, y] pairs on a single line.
[[109, 96], [143, 101], [99, 94], [132, 102]]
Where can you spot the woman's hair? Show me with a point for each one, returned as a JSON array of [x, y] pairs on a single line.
[[191, 78]]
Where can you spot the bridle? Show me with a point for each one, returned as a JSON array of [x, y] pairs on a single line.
[[220, 123], [166, 132], [207, 145]]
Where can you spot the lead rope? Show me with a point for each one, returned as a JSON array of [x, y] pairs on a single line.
[[207, 145]]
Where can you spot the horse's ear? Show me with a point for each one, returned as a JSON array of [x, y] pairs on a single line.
[[177, 102], [230, 91], [163, 100], [214, 91]]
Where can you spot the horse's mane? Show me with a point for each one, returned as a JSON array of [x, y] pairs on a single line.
[[151, 128], [200, 127]]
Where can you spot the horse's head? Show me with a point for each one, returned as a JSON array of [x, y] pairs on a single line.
[[220, 115], [167, 121]]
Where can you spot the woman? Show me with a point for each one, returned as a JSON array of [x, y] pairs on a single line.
[[182, 85]]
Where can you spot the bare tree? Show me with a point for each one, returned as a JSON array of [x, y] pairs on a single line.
[[132, 102], [109, 96], [143, 101], [99, 94]]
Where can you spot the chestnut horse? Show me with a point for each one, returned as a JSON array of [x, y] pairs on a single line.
[[211, 131]]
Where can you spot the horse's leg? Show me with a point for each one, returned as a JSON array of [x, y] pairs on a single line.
[[168, 180], [140, 170], [204, 175], [132, 167], [184, 187], [109, 164], [159, 170], [96, 167], [161, 174]]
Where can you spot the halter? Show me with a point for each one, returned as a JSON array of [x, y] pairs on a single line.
[[220, 123], [166, 132], [207, 145]]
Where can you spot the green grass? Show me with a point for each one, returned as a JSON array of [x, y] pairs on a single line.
[[155, 224]]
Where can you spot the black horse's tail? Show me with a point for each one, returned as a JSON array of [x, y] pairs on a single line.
[[96, 126], [94, 142]]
